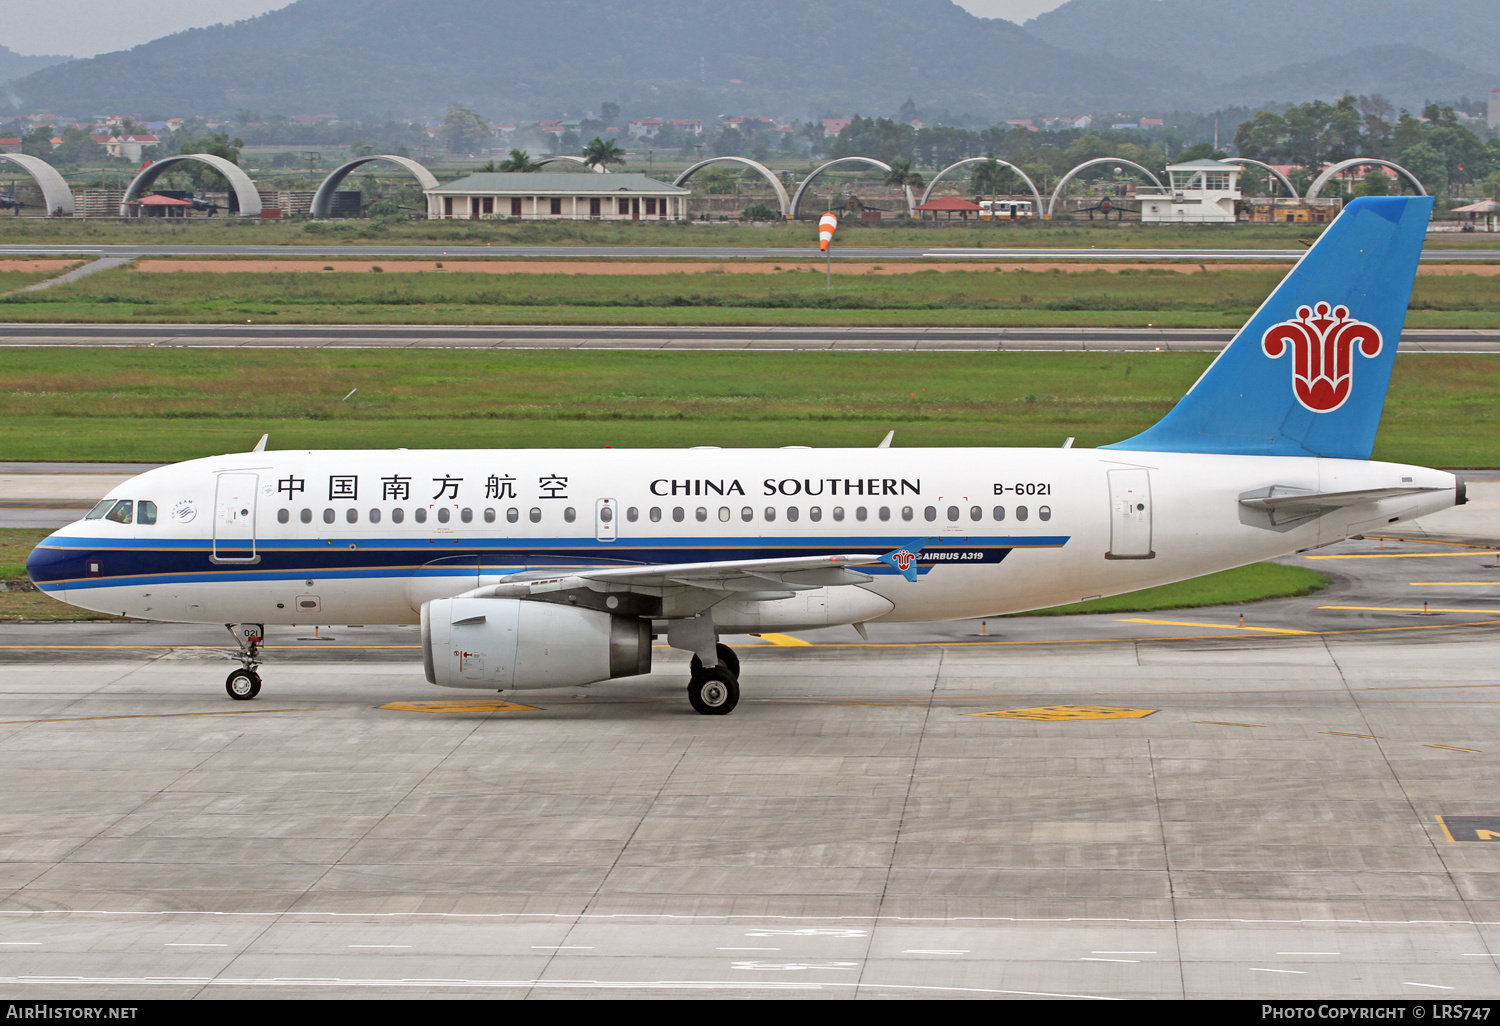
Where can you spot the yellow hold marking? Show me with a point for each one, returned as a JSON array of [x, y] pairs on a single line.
[[1069, 712], [1340, 733], [786, 641], [1410, 609], [1450, 748], [1487, 835], [1221, 723], [465, 705], [1407, 555], [1218, 626]]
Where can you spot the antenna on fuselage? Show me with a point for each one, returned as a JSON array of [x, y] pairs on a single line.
[[1069, 443], [260, 446], [885, 443]]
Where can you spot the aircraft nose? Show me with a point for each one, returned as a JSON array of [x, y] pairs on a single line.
[[50, 562]]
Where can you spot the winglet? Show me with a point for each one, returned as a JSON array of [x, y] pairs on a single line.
[[904, 559]]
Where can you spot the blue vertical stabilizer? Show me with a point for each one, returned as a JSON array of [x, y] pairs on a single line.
[[1307, 375]]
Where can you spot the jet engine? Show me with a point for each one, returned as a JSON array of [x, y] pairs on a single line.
[[503, 644]]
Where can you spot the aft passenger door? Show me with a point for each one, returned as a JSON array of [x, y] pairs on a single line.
[[1130, 514], [234, 518]]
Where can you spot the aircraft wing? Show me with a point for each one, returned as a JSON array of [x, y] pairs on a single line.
[[783, 576]]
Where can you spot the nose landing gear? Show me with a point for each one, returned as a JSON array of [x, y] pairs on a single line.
[[244, 684]]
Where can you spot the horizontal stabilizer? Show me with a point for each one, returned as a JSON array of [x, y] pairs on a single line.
[[1284, 504]]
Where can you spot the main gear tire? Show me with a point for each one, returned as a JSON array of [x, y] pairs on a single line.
[[714, 692]]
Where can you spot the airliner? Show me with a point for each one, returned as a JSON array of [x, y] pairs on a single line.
[[559, 567]]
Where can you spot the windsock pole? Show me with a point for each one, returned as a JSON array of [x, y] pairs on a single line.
[[827, 225]]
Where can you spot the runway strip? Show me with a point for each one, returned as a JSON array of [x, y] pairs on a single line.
[[701, 252], [422, 336]]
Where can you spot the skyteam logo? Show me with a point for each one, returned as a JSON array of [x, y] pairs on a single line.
[[1322, 341]]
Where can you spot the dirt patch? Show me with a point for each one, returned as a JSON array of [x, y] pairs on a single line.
[[38, 266]]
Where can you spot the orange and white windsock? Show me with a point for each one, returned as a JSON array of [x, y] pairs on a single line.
[[827, 225]]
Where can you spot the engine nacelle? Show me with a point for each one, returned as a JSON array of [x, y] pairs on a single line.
[[501, 644]]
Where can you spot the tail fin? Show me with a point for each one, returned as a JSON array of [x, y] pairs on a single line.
[[1307, 375]]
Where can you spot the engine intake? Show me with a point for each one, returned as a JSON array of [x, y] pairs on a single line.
[[504, 644]]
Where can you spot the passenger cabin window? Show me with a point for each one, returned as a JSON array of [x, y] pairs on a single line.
[[145, 512], [398, 515], [512, 515], [838, 514], [976, 513], [815, 514], [328, 516], [374, 516], [306, 516], [747, 514], [535, 515], [885, 512], [656, 514], [701, 515], [952, 514], [489, 516], [632, 514], [929, 513], [352, 515], [570, 514], [466, 515], [770, 513], [999, 513], [121, 514], [907, 513], [283, 516], [1021, 513], [419, 515], [861, 514], [1044, 512], [678, 514], [443, 514]]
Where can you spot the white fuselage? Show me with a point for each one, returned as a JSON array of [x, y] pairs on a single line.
[[369, 536]]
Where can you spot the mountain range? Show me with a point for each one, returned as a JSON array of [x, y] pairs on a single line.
[[801, 58]]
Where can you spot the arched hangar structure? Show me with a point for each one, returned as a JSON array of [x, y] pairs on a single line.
[[55, 191], [1052, 203], [1286, 183], [245, 192], [564, 158], [796, 206], [1344, 165], [755, 166], [927, 193], [322, 204]]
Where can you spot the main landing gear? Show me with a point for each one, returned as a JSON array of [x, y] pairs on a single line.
[[244, 684], [715, 690]]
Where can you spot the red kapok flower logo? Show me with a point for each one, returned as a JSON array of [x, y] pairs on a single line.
[[1322, 342], [903, 559]]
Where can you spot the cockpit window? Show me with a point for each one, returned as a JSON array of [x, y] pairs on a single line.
[[121, 514], [145, 512], [97, 513]]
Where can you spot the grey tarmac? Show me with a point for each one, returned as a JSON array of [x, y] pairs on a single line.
[[427, 336]]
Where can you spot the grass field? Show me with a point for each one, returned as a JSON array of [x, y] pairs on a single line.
[[234, 231], [1245, 584], [1131, 297], [173, 404]]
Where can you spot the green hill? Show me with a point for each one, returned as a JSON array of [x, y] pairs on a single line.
[[514, 58]]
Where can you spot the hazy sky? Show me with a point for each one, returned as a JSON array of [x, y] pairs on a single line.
[[83, 28]]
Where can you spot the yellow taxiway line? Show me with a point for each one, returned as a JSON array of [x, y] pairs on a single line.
[[1219, 626]]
